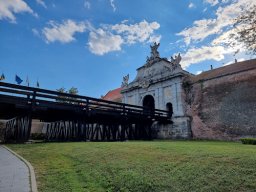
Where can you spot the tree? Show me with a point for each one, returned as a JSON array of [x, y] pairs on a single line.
[[245, 30], [63, 99], [60, 97], [73, 91], [61, 90]]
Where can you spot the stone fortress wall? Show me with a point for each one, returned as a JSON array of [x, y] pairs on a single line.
[[222, 102]]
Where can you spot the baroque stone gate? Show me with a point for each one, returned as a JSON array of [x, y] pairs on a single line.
[[158, 84]]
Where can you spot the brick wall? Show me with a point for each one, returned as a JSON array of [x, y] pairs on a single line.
[[223, 107]]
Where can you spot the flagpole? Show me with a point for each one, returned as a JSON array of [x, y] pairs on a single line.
[[27, 81], [37, 83]]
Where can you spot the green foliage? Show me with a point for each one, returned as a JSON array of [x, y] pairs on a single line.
[[245, 30], [142, 166], [2, 131], [61, 90], [73, 91], [37, 136], [64, 99], [251, 141]]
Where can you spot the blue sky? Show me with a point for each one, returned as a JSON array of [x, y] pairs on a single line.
[[92, 44]]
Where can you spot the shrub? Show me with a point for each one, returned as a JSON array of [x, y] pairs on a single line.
[[251, 141], [2, 131], [37, 136]]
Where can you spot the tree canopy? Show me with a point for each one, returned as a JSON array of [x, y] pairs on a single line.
[[72, 90], [245, 30]]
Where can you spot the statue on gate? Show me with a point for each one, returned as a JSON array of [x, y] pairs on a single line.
[[154, 57], [176, 60], [154, 52], [125, 80]]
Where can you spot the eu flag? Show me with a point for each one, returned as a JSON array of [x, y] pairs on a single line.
[[18, 79]]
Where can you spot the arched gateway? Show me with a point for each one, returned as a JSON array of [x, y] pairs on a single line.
[[158, 85], [149, 102]]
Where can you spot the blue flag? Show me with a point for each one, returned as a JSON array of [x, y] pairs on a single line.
[[18, 79]]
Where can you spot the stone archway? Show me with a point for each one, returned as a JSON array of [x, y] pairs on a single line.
[[149, 103]]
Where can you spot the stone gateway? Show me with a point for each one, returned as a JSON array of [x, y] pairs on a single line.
[[158, 84]]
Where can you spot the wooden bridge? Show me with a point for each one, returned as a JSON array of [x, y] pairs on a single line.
[[73, 117]]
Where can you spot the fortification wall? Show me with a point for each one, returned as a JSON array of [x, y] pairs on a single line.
[[223, 107]]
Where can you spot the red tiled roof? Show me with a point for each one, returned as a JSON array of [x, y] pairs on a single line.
[[226, 70], [113, 95]]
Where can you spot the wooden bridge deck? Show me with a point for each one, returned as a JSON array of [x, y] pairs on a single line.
[[29, 103]]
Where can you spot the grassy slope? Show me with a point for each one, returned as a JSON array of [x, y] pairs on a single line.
[[142, 166]]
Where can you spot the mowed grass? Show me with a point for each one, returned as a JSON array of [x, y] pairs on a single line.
[[142, 166]]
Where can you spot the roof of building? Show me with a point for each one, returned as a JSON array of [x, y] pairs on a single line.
[[225, 70], [113, 95]]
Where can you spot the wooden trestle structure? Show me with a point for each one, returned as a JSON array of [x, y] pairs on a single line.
[[73, 117]]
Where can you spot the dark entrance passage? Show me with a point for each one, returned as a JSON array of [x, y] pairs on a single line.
[[149, 104], [169, 109]]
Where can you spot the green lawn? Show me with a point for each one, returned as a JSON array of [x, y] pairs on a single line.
[[142, 166]]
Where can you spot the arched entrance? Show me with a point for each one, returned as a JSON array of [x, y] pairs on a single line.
[[169, 108], [149, 104]]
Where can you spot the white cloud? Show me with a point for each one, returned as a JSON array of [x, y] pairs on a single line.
[[196, 55], [125, 21], [154, 38], [112, 5], [198, 72], [63, 32], [212, 2], [219, 27], [42, 3], [216, 51], [87, 4], [10, 7], [199, 31], [36, 32], [225, 1], [191, 5], [112, 37], [102, 42], [224, 18], [139, 32], [225, 40]]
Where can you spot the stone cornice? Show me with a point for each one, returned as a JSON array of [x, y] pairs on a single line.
[[138, 84]]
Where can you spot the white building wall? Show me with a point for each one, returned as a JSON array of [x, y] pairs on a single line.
[[169, 91]]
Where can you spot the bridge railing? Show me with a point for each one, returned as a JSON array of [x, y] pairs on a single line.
[[36, 96]]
